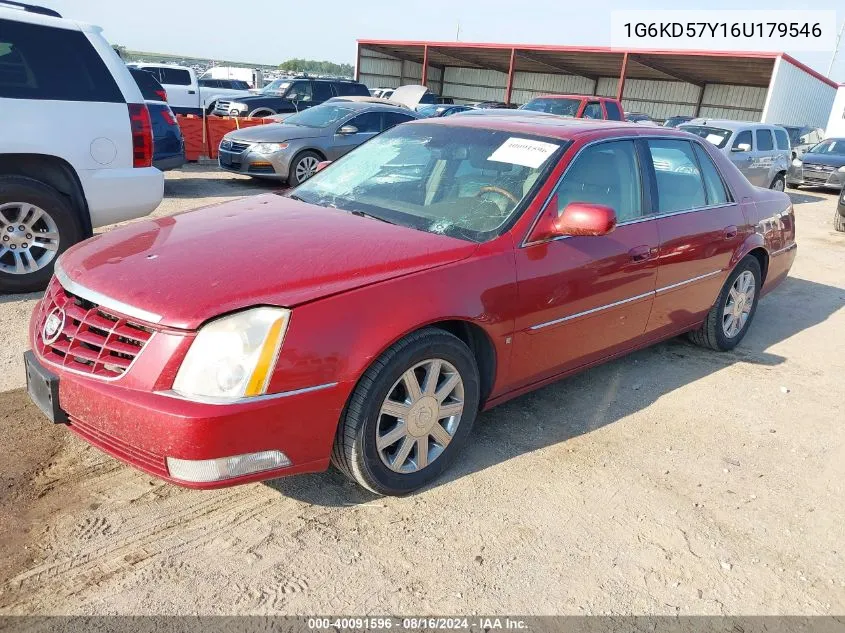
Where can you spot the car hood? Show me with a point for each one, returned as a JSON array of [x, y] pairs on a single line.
[[835, 160], [261, 250], [274, 132], [409, 95]]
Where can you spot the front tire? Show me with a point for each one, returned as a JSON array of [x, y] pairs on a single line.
[[838, 220], [37, 224], [303, 167], [262, 112], [409, 415], [731, 315], [778, 184]]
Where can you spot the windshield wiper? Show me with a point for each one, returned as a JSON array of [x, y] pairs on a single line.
[[293, 196], [362, 214]]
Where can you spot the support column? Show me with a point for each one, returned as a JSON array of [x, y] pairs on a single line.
[[358, 63], [620, 88], [425, 66], [702, 87], [509, 87]]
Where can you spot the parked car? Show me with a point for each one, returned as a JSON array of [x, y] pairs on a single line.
[[366, 100], [641, 118], [579, 106], [76, 142], [226, 84], [492, 105], [442, 268], [168, 144], [821, 166], [802, 138], [382, 93], [760, 151], [839, 215], [291, 150], [434, 110], [675, 121], [185, 93], [289, 95]]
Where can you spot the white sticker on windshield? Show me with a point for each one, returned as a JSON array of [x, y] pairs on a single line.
[[523, 151], [715, 138]]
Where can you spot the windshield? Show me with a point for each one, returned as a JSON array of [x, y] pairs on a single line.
[[716, 135], [831, 147], [429, 110], [463, 182], [318, 116], [562, 107], [276, 87]]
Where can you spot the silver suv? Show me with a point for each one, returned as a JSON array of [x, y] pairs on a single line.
[[760, 151]]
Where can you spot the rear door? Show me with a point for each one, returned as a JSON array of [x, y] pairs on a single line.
[[593, 110], [584, 298], [768, 160], [700, 226]]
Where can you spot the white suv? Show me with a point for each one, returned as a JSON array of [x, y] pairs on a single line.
[[76, 142]]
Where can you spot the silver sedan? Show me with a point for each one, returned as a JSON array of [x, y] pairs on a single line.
[[291, 150]]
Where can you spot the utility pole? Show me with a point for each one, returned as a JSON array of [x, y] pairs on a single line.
[[458, 35], [836, 48]]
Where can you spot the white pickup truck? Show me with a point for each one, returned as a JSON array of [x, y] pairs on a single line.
[[185, 95]]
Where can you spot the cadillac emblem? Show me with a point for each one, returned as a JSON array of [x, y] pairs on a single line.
[[53, 326]]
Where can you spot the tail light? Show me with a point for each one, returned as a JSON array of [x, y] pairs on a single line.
[[142, 135], [167, 115], [161, 94]]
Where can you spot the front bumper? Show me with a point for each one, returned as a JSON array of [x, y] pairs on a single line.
[[136, 419], [798, 176], [273, 166]]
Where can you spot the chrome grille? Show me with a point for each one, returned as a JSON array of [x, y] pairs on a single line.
[[91, 339], [235, 147]]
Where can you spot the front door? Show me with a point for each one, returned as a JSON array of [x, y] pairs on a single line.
[[742, 155], [366, 125], [584, 298]]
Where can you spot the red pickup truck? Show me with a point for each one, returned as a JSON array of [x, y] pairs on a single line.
[[578, 106]]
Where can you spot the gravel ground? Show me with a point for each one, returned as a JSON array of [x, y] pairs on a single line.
[[674, 481]]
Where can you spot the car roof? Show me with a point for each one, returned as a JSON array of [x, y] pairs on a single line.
[[728, 124], [550, 125], [559, 96], [365, 105]]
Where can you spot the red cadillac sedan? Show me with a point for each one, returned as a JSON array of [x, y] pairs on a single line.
[[367, 317]]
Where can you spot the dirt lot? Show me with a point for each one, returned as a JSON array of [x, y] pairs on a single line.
[[673, 481]]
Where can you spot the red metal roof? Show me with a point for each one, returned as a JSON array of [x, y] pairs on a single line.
[[691, 66]]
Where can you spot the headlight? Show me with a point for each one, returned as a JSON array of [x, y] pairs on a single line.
[[796, 162], [233, 357], [268, 148]]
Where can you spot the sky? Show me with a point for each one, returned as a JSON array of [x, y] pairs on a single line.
[[273, 31]]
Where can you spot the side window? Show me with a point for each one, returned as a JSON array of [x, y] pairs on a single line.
[[322, 91], [716, 192], [593, 111], [743, 138], [613, 112], [679, 183], [782, 139], [41, 62], [175, 76], [153, 71], [608, 174], [300, 91], [367, 123], [764, 140], [394, 118]]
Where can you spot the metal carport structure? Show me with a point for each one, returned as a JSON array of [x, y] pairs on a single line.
[[757, 86]]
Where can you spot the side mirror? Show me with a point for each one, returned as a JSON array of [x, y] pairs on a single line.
[[742, 147], [578, 218], [347, 129], [322, 165]]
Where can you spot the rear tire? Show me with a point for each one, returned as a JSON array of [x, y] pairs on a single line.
[[387, 466], [21, 199], [778, 184], [714, 333], [838, 220]]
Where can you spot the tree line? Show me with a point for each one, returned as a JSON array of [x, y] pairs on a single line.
[[317, 67]]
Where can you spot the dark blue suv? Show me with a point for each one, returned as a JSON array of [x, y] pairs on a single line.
[[168, 144]]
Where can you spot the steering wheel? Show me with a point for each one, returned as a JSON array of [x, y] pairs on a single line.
[[502, 192]]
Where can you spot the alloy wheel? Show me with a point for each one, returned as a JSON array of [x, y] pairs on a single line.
[[306, 168], [29, 238], [420, 415], [738, 305]]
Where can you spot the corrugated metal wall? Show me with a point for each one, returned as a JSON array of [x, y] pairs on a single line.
[[658, 99], [474, 84], [377, 70], [795, 97], [739, 103], [526, 86]]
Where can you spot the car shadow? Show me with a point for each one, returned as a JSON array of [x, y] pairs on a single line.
[[601, 395], [29, 296], [802, 197], [193, 187]]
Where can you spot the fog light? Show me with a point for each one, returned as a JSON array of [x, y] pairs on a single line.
[[206, 470]]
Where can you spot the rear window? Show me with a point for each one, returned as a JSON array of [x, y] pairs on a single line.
[[716, 135], [782, 139], [562, 107], [41, 62], [149, 85], [175, 76]]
